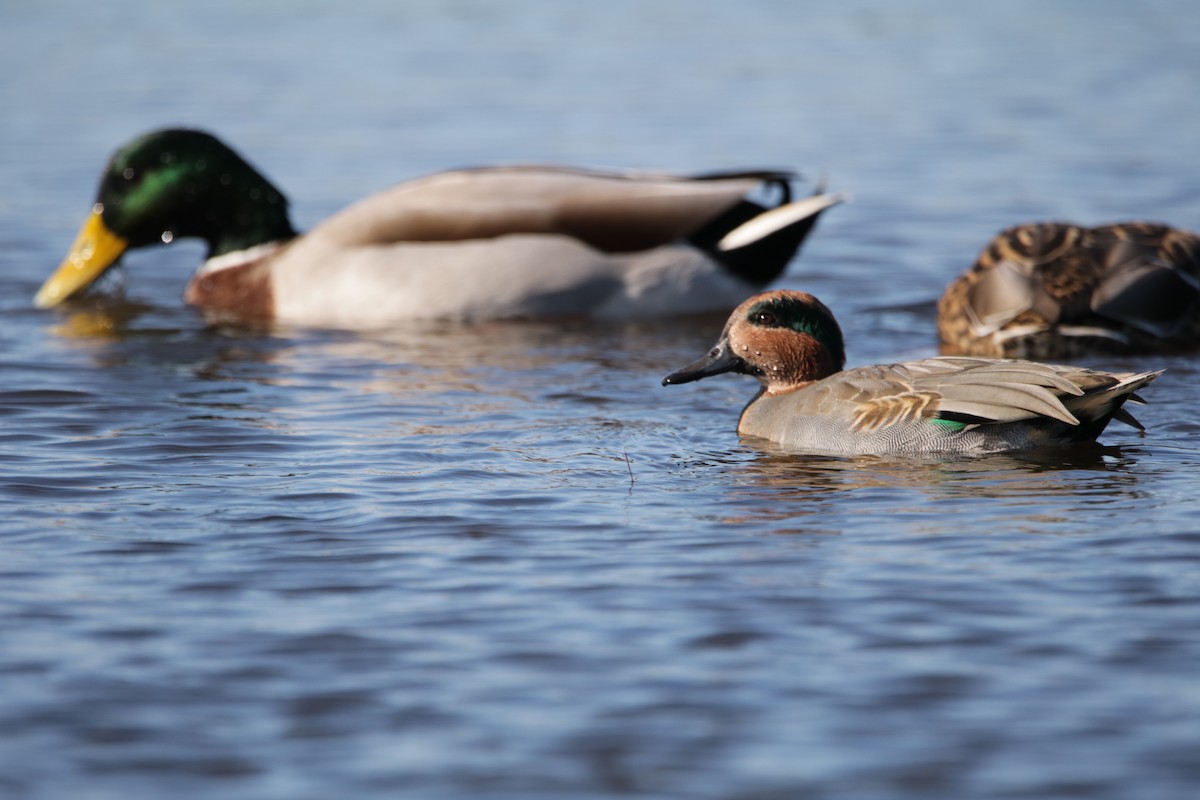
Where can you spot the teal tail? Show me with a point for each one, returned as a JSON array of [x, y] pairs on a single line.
[[1097, 408]]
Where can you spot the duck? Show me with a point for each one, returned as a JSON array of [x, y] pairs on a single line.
[[808, 402], [491, 242], [1059, 290]]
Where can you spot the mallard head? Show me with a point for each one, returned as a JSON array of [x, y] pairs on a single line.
[[166, 185]]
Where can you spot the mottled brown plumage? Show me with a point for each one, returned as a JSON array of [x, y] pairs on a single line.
[[1055, 290]]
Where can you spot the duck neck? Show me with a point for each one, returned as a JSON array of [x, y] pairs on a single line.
[[794, 363], [774, 390], [257, 215]]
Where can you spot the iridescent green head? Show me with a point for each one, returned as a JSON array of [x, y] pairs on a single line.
[[166, 185]]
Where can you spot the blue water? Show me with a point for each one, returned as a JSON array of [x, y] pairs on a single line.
[[501, 561]]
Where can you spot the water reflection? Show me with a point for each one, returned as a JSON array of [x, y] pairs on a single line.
[[1043, 489], [100, 318], [516, 344]]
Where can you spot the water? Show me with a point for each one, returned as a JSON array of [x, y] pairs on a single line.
[[501, 561]]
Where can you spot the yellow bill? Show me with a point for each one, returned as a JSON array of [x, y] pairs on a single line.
[[96, 249]]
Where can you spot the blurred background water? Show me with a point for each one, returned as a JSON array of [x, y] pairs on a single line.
[[500, 560]]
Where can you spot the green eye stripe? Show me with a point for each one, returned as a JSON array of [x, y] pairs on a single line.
[[800, 316], [790, 315]]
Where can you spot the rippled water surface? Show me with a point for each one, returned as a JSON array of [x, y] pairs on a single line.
[[501, 561]]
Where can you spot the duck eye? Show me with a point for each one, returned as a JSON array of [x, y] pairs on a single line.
[[763, 318]]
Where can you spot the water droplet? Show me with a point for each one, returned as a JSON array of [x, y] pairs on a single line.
[[167, 237], [128, 173]]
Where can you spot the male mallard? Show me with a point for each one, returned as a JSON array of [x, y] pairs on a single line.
[[793, 345], [494, 242], [1053, 290]]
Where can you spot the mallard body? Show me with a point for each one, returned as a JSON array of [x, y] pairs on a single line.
[[485, 243]]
